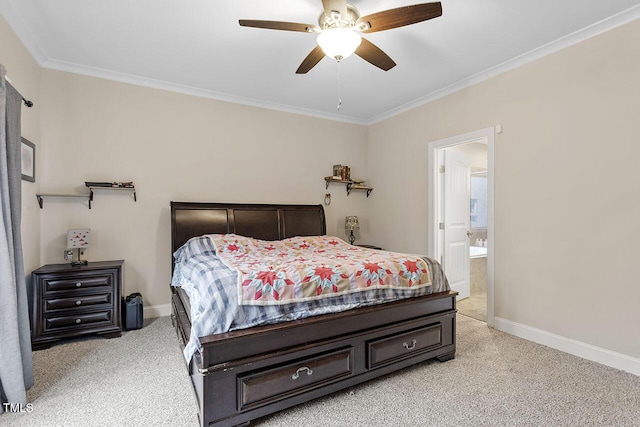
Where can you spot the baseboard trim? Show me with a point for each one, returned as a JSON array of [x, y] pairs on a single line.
[[156, 311], [571, 346]]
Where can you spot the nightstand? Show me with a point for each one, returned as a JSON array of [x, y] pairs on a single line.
[[71, 301]]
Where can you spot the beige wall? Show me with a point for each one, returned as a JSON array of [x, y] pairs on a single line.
[[24, 73], [181, 148], [567, 199]]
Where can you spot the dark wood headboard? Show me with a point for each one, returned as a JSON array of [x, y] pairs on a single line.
[[265, 222]]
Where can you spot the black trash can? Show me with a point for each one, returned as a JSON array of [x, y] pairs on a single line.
[[132, 312]]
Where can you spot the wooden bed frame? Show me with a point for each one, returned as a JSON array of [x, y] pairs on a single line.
[[246, 374]]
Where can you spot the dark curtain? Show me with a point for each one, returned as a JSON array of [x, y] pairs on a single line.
[[16, 368]]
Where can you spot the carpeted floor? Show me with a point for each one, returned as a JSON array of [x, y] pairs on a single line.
[[474, 306], [496, 379]]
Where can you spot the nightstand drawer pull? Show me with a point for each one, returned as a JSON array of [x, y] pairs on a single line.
[[409, 347], [78, 320], [78, 284], [78, 302]]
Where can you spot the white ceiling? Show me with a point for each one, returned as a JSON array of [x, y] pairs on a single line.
[[197, 47]]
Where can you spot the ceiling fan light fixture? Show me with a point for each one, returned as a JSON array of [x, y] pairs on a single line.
[[339, 43]]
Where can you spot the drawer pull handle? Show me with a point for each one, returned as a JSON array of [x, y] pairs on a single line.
[[78, 284], [410, 347], [78, 302], [297, 374], [78, 320]]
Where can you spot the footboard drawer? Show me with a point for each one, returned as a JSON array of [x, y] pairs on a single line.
[[274, 384], [390, 349]]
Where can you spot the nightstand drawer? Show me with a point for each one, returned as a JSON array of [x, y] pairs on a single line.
[[78, 320], [52, 304], [79, 282]]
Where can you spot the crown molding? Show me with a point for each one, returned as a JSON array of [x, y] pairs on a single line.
[[190, 90], [614, 21]]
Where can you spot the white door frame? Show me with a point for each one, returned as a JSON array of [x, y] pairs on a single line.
[[486, 134]]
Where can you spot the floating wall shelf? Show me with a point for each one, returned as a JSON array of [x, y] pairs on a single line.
[[40, 197], [351, 185], [89, 196], [93, 188]]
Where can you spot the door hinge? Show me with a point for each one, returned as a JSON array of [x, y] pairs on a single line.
[[441, 226], [441, 168]]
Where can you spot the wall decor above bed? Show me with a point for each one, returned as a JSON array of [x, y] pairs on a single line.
[[245, 370]]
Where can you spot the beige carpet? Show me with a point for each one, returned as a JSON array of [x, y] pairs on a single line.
[[495, 379]]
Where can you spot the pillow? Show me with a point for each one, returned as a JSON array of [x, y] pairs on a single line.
[[194, 246]]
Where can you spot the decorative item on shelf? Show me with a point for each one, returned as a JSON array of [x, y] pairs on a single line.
[[79, 239], [337, 172], [346, 173], [350, 224], [128, 184]]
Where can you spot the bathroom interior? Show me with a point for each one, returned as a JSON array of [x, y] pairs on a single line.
[[476, 305]]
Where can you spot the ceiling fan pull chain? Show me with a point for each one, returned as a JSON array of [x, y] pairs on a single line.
[[339, 98]]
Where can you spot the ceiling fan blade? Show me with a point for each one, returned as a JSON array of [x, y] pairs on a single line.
[[374, 55], [311, 60], [339, 6], [277, 25], [401, 16]]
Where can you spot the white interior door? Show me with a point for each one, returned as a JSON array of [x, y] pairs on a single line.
[[457, 193]]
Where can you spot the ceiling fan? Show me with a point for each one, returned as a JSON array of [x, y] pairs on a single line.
[[339, 28]]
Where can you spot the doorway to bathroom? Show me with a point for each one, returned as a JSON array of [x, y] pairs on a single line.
[[461, 218]]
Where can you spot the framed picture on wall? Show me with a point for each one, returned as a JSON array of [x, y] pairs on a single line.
[[28, 160]]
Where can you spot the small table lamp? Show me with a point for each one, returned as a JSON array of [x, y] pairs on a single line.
[[350, 224], [79, 239]]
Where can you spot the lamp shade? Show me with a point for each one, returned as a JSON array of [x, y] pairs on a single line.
[[78, 238], [351, 223], [339, 43]]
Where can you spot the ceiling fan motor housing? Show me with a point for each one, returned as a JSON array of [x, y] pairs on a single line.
[[335, 20]]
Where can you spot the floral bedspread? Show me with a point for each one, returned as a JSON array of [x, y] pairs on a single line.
[[306, 268]]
